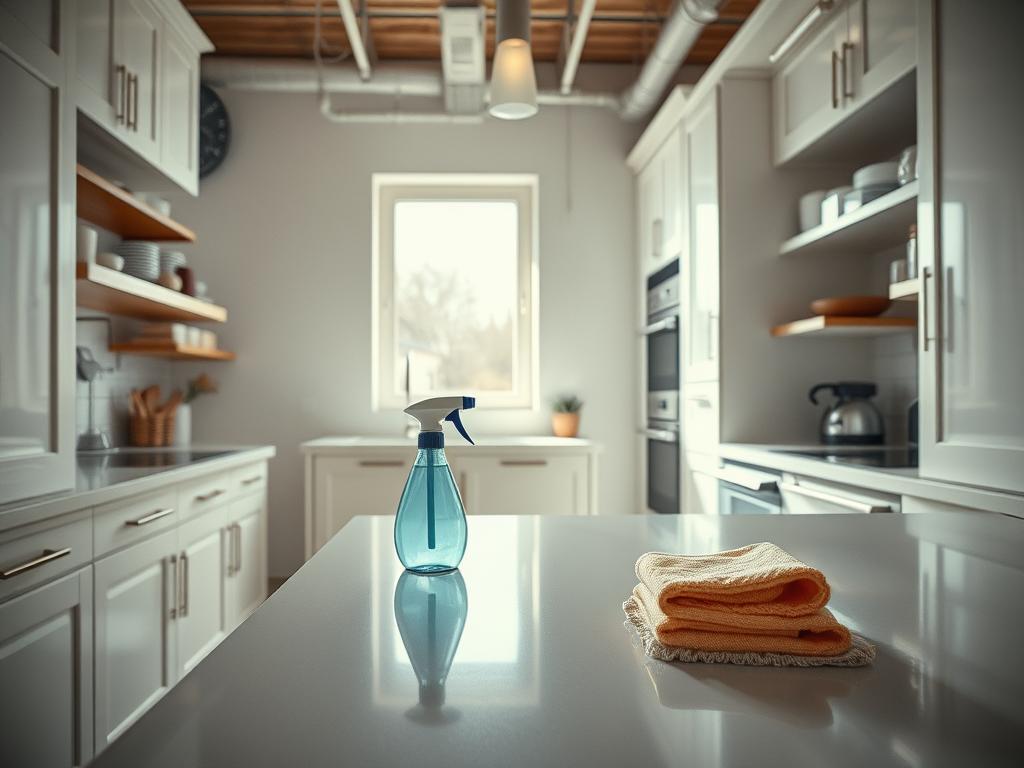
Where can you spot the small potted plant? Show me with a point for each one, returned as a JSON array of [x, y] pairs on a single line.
[[565, 421], [200, 385]]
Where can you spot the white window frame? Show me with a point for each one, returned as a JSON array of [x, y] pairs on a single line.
[[388, 188]]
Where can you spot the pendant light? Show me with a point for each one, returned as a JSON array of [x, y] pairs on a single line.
[[513, 83]]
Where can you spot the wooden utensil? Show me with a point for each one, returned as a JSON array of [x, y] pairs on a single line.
[[851, 306], [139, 404], [151, 397], [172, 402]]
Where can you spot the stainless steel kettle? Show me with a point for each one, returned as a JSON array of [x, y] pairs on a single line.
[[852, 419]]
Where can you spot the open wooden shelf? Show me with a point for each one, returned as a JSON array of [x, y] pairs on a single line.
[[103, 204], [826, 325], [171, 350], [108, 290], [872, 227], [906, 290]]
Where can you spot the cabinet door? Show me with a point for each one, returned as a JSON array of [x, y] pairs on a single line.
[[971, 244], [523, 485], [46, 674], [179, 106], [138, 30], [807, 92], [135, 600], [344, 487], [702, 212], [881, 46], [201, 572], [246, 585], [650, 214], [702, 494], [670, 159], [100, 90], [36, 254]]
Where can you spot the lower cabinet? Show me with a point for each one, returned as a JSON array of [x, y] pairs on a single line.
[[201, 568], [245, 585], [555, 485], [46, 693], [137, 598]]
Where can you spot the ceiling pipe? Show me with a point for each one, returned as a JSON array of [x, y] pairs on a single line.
[[395, 118], [579, 37], [355, 39], [677, 37]]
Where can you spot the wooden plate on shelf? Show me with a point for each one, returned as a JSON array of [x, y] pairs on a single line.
[[851, 306]]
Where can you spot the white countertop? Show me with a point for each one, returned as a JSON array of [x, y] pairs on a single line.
[[545, 673], [895, 481], [100, 485], [326, 444]]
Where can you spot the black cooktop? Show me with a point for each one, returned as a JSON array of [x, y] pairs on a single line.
[[142, 459], [880, 457]]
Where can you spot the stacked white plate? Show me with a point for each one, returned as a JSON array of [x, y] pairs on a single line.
[[141, 258], [171, 260]]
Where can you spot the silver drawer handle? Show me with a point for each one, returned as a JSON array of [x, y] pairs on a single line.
[[749, 479], [381, 463], [524, 462], [210, 495], [151, 517], [48, 556], [661, 435], [839, 501], [668, 324], [702, 402], [253, 479]]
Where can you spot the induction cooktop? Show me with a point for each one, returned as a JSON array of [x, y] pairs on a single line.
[[880, 457]]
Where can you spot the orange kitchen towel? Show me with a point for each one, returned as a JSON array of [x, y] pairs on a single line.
[[756, 580], [813, 634]]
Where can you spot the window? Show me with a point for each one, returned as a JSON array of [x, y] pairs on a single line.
[[455, 288]]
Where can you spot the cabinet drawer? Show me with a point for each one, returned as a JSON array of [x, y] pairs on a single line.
[[36, 553], [205, 493], [803, 496], [523, 484], [700, 417], [121, 523], [250, 478]]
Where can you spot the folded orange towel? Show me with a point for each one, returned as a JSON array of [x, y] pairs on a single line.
[[755, 598], [759, 579], [815, 634]]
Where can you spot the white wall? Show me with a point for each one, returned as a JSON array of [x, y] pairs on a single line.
[[284, 242]]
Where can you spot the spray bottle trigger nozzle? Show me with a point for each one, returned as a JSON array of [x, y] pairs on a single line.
[[453, 417]]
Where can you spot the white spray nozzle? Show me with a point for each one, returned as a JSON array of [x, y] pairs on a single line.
[[432, 412]]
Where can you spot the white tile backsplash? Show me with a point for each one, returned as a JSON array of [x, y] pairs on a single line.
[[894, 368], [111, 388]]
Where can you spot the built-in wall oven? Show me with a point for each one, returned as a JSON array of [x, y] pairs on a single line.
[[662, 432]]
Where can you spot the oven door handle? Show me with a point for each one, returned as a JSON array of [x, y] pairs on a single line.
[[661, 435], [668, 324], [748, 478]]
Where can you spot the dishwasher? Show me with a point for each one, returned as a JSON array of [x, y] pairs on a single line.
[[809, 496], [745, 490]]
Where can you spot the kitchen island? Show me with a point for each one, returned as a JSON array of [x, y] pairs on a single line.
[[347, 663]]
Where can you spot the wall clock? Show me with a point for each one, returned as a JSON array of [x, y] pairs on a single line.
[[214, 131]]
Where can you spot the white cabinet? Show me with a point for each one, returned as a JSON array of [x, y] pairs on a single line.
[[246, 582], [701, 274], [861, 50], [700, 491], [971, 368], [806, 496], [36, 252], [659, 205], [523, 485], [346, 477], [136, 599], [200, 617], [46, 674], [138, 79]]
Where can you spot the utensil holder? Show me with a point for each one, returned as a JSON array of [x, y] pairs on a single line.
[[152, 431]]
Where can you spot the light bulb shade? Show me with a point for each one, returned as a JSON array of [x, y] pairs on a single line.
[[513, 82]]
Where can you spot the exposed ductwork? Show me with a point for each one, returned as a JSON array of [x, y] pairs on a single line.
[[678, 34]]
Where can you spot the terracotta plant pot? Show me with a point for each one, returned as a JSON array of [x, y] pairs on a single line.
[[565, 424]]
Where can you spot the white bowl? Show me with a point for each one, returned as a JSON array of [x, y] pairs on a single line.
[[110, 260], [810, 209], [877, 174]]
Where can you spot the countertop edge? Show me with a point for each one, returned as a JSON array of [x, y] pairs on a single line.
[[886, 481], [328, 445], [38, 510]]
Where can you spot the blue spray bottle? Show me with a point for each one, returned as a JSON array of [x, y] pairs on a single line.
[[430, 527]]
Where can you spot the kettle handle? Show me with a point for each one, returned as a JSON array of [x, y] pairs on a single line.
[[814, 391]]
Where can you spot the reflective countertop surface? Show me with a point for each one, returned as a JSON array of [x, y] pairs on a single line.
[[522, 658], [100, 469]]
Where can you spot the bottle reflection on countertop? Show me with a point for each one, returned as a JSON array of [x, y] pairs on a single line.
[[431, 612]]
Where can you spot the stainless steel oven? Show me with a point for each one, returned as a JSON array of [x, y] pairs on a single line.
[[744, 490], [662, 432]]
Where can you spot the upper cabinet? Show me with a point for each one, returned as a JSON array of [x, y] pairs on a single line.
[[971, 248], [138, 80], [861, 49], [659, 205], [37, 192]]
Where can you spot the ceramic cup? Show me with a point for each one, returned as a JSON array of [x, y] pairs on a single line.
[[85, 245], [810, 209]]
